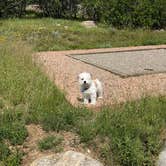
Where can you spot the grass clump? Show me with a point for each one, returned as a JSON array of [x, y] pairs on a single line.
[[12, 127], [9, 157], [14, 159], [1, 104], [4, 151], [50, 143]]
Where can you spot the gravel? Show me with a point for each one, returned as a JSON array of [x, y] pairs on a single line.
[[63, 70]]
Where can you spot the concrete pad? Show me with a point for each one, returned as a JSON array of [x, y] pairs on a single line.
[[128, 63]]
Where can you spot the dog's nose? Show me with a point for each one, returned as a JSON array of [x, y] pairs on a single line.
[[84, 82]]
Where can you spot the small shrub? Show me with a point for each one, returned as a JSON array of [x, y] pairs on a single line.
[[4, 151], [14, 159], [50, 142], [12, 127]]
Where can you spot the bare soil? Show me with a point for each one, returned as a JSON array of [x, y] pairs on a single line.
[[63, 70]]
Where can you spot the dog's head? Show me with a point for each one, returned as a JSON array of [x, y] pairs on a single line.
[[85, 80]]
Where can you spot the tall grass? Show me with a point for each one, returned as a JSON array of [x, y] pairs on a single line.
[[55, 34]]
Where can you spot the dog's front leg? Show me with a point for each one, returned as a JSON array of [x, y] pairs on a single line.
[[86, 101], [93, 98]]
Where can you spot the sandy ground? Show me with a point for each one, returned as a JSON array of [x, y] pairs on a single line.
[[63, 70]]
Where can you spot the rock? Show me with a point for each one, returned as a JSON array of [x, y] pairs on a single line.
[[66, 27], [162, 30], [34, 8], [50, 160], [162, 158], [89, 24], [69, 158]]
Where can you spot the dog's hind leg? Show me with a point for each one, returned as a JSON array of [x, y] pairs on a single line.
[[99, 89], [100, 93]]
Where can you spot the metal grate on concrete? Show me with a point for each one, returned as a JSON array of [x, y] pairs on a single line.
[[129, 63]]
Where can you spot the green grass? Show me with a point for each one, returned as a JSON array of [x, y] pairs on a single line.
[[51, 143], [126, 134], [52, 34]]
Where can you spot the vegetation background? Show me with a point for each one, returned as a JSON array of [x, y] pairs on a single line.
[[119, 13]]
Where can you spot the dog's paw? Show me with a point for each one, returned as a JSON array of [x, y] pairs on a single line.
[[86, 101], [93, 103]]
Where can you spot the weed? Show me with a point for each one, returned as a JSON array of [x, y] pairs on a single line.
[[50, 142], [1, 104]]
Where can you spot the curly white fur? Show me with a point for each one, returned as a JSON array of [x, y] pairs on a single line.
[[91, 89]]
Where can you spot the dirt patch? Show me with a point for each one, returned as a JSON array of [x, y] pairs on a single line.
[[63, 70], [71, 141]]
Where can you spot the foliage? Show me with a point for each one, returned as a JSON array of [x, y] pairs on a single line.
[[58, 8], [12, 159], [12, 127], [118, 13], [12, 8], [50, 142], [129, 13], [4, 151]]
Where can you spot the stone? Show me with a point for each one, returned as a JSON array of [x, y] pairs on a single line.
[[69, 158], [34, 8], [162, 158], [66, 27], [89, 24]]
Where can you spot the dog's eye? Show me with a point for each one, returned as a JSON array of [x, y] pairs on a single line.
[[82, 79]]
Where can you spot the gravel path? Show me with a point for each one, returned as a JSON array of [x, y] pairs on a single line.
[[63, 70]]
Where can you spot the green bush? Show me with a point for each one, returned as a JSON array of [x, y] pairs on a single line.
[[12, 8], [128, 13], [58, 8], [119, 13]]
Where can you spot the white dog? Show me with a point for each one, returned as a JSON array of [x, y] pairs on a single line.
[[91, 89]]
